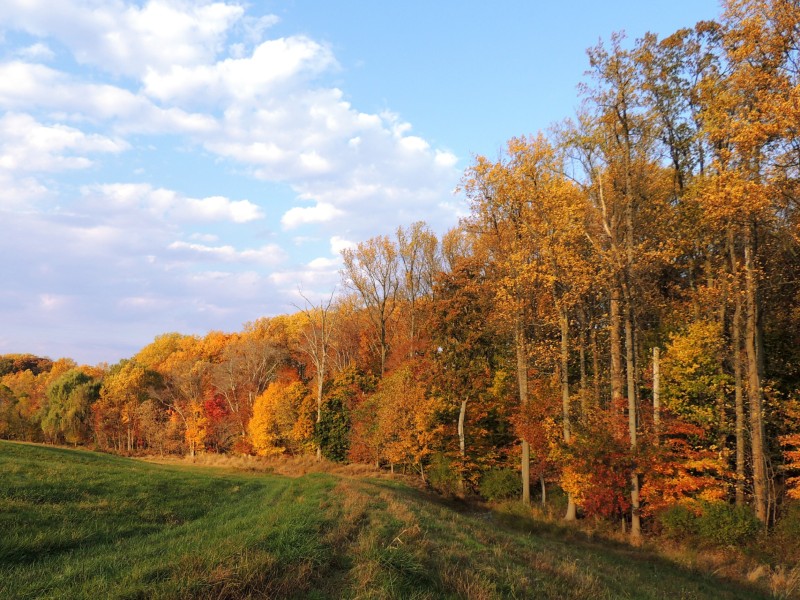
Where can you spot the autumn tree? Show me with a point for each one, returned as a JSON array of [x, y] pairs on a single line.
[[417, 248], [315, 343], [371, 270], [281, 419]]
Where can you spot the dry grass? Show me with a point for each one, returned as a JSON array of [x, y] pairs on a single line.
[[288, 466]]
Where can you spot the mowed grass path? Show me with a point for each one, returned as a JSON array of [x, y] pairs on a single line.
[[75, 524]]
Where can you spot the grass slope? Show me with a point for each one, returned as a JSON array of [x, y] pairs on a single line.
[[76, 524]]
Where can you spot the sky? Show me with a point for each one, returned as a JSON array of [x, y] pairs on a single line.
[[176, 165]]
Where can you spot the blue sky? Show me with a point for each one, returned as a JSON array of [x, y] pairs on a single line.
[[186, 166]]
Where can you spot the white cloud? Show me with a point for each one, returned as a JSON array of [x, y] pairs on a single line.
[[126, 39], [20, 192], [36, 52], [320, 213], [27, 145], [338, 244], [247, 79], [27, 86], [270, 254], [169, 204], [324, 262]]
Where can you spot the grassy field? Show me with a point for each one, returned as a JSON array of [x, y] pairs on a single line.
[[76, 524]]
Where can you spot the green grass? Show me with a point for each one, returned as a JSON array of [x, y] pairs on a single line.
[[75, 524]]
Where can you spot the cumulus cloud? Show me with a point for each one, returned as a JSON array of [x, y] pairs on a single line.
[[320, 213], [247, 79], [126, 39], [27, 145], [87, 182], [169, 204]]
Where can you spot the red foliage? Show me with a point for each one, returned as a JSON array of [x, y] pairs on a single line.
[[215, 408]]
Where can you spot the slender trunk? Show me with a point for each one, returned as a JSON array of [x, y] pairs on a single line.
[[736, 360], [565, 408], [544, 491], [319, 404], [754, 381], [636, 527], [595, 367], [522, 381], [615, 323], [657, 392], [413, 332], [584, 392], [736, 350], [384, 349], [462, 443]]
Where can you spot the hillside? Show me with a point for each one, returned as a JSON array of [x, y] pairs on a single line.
[[84, 525]]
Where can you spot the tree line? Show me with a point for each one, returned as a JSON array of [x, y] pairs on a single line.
[[617, 318]]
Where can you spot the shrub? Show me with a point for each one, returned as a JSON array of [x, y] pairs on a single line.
[[678, 522], [787, 531], [442, 474], [499, 484], [716, 523], [727, 525]]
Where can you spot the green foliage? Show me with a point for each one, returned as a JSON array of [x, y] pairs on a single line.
[[678, 522], [727, 525], [786, 534], [7, 412], [66, 414], [717, 523], [693, 378], [332, 433], [443, 474], [499, 484]]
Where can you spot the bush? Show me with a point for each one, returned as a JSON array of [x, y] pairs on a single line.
[[727, 525], [678, 522], [787, 531], [499, 484], [442, 474], [717, 523]]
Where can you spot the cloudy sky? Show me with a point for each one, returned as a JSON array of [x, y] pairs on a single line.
[[176, 165]]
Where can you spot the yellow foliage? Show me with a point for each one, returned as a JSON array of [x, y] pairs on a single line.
[[281, 419]]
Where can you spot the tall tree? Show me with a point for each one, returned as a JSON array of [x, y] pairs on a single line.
[[316, 342], [371, 270]]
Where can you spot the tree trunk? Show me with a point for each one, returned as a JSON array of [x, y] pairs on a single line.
[[595, 367], [565, 407], [544, 491], [736, 352], [584, 392], [636, 528], [615, 323], [522, 382], [736, 362], [657, 392], [754, 381], [462, 444]]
